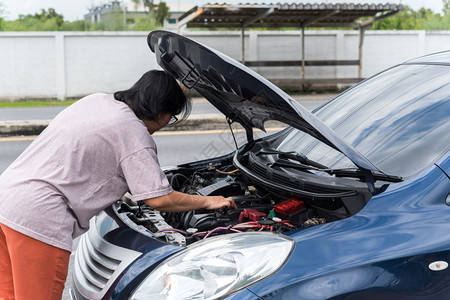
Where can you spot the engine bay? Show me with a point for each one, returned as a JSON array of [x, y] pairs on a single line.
[[259, 208]]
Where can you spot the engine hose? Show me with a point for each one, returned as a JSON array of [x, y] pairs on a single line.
[[211, 219], [175, 178], [186, 218]]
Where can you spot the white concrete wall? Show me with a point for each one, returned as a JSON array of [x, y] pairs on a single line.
[[72, 64], [105, 63], [21, 56]]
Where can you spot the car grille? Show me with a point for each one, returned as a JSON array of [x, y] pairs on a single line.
[[98, 264]]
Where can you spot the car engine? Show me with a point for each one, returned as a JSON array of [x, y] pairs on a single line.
[[258, 208]]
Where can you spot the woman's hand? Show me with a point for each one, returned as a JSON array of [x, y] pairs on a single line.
[[216, 202]]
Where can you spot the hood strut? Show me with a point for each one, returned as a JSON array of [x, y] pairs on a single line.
[[229, 121], [248, 133]]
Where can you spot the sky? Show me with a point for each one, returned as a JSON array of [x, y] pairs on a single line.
[[75, 10]]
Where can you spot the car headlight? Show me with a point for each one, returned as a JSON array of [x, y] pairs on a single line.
[[216, 267]]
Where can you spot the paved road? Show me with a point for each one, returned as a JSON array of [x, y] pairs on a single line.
[[48, 113], [10, 149], [30, 113], [199, 107]]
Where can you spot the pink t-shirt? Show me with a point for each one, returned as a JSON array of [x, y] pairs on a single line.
[[87, 158]]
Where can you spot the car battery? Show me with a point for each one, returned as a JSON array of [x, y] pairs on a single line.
[[292, 210]]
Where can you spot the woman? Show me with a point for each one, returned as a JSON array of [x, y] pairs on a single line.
[[87, 158]]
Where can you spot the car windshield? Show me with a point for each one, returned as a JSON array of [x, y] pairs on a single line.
[[398, 120]]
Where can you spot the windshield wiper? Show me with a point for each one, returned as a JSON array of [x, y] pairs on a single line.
[[306, 164], [357, 173], [348, 172], [294, 165], [301, 158]]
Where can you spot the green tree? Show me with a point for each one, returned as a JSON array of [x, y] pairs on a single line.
[[156, 16], [146, 24], [50, 20], [403, 20], [2, 20], [446, 10], [162, 12], [79, 25], [147, 3], [408, 19], [51, 14], [46, 20]]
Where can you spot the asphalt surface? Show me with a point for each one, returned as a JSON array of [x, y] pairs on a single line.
[[204, 116]]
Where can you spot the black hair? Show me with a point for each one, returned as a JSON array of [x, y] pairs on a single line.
[[155, 92]]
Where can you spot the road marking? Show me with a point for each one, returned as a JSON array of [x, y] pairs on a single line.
[[18, 138], [160, 133]]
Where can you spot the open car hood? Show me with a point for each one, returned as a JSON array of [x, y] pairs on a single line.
[[239, 93]]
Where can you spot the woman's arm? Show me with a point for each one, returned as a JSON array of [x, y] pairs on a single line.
[[177, 202]]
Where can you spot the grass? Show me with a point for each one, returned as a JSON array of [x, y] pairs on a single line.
[[35, 103]]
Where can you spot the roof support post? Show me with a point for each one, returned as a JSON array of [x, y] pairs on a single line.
[[250, 21], [362, 26], [243, 45], [303, 53], [360, 45]]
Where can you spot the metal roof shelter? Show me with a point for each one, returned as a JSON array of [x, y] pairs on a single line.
[[295, 15]]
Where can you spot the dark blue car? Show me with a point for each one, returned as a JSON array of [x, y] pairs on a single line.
[[351, 201]]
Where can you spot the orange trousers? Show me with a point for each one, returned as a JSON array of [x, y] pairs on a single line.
[[30, 269]]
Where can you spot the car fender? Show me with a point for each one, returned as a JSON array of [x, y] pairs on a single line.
[[403, 278]]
